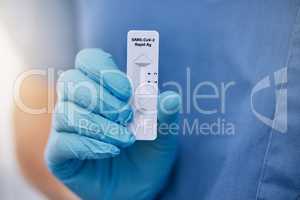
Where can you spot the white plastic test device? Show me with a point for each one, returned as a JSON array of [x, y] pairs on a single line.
[[142, 70]]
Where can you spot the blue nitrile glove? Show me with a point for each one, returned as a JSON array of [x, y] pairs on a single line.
[[94, 153]]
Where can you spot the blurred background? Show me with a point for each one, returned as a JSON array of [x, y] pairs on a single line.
[[34, 34]]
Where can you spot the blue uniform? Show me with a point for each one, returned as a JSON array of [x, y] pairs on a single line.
[[229, 149]]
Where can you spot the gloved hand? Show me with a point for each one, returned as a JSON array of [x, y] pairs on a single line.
[[90, 148]]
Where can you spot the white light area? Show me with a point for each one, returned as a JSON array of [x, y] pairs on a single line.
[[12, 184], [10, 65]]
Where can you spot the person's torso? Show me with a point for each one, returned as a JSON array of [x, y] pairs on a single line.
[[215, 53]]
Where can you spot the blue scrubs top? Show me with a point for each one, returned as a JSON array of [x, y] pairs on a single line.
[[241, 139]]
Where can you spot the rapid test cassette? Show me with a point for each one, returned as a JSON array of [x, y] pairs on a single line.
[[142, 70]]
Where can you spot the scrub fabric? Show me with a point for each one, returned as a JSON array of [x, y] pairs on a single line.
[[226, 43]]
